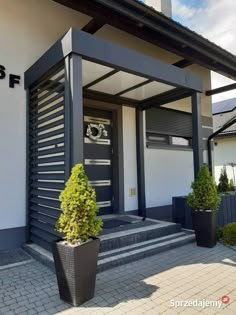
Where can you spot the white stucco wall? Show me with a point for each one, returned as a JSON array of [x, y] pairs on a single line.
[[130, 158], [27, 29], [224, 153], [168, 173]]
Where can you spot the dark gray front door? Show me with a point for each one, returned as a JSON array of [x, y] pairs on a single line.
[[98, 155]]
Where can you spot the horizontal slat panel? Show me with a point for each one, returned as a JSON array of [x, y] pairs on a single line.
[[44, 235], [45, 193], [45, 219], [45, 202], [49, 134], [40, 242], [46, 155], [48, 126], [46, 111], [46, 86], [36, 108], [57, 89], [45, 227], [47, 143], [46, 210], [51, 168], [48, 118], [48, 176], [52, 159], [60, 149], [42, 81], [49, 185]]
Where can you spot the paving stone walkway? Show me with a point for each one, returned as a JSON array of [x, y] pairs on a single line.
[[150, 286]]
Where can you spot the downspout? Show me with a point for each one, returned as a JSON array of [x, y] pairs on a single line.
[[213, 135]]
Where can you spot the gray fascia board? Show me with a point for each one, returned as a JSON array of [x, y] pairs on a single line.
[[56, 53], [104, 52]]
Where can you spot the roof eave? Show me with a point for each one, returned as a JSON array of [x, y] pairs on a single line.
[[150, 25]]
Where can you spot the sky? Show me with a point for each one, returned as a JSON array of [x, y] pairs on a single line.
[[215, 20]]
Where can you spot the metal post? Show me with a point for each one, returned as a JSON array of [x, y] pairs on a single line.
[[27, 191], [73, 112], [140, 163], [197, 132]]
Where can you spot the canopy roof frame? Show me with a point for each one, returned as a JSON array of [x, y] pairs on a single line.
[[106, 53]]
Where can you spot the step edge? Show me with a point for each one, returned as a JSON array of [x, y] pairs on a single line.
[[139, 244], [149, 248], [138, 230]]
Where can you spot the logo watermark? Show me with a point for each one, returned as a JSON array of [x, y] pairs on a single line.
[[203, 303]]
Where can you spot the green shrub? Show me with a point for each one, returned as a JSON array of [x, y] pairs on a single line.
[[219, 233], [223, 181], [78, 221], [229, 234], [204, 194], [231, 185]]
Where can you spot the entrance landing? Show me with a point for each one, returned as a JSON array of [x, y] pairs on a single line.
[[117, 223]]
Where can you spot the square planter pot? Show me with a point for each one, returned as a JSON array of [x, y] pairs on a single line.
[[204, 224], [76, 268]]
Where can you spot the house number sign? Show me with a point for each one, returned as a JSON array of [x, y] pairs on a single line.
[[13, 78]]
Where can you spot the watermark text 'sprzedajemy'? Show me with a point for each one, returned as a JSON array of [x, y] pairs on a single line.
[[203, 303]]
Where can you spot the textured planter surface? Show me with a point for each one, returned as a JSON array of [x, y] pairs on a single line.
[[76, 269], [204, 224]]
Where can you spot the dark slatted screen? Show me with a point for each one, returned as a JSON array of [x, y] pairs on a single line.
[[169, 122], [46, 156]]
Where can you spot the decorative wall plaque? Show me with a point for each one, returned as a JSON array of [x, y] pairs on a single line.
[[95, 131]]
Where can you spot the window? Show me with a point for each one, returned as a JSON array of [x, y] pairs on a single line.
[[181, 141], [156, 140]]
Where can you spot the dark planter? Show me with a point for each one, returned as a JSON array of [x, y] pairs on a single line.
[[76, 268], [204, 224]]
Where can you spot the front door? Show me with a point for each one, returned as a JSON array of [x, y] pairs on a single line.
[[98, 156]]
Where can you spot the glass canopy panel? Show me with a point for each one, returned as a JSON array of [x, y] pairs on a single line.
[[117, 83], [148, 90], [92, 71]]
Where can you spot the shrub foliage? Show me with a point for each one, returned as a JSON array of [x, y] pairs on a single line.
[[223, 181], [204, 194], [78, 221], [229, 234], [231, 185]]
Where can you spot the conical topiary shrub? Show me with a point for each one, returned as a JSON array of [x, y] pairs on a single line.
[[204, 200], [78, 221], [204, 194], [223, 181], [76, 256]]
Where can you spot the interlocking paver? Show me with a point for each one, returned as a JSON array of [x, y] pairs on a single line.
[[142, 287]]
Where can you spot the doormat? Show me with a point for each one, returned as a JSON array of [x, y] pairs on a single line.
[[114, 223], [13, 257]]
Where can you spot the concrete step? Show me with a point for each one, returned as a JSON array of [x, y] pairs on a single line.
[[129, 237], [124, 255], [139, 245]]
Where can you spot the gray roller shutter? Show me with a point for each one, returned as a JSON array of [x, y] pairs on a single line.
[[169, 122]]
